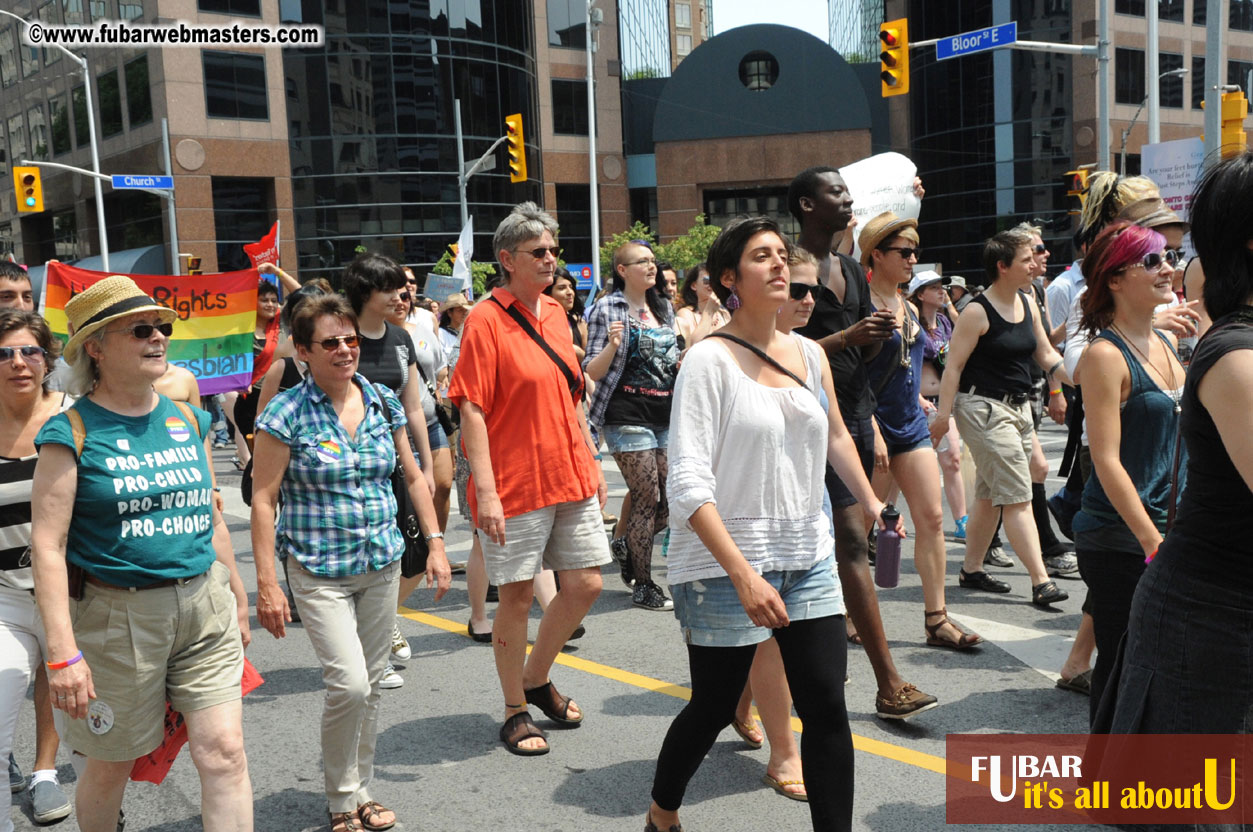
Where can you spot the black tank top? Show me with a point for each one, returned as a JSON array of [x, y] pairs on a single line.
[[1213, 533], [1003, 357]]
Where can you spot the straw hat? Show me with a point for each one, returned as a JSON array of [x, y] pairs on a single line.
[[880, 228], [1151, 212], [112, 298], [457, 301]]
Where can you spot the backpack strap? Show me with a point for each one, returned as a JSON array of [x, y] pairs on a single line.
[[78, 430]]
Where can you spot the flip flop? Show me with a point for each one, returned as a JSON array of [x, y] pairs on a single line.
[[518, 728], [1079, 683], [779, 786], [745, 729]]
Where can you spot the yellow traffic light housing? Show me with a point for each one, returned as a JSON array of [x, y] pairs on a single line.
[[193, 266], [894, 59], [1077, 184], [517, 148], [30, 189], [1235, 109]]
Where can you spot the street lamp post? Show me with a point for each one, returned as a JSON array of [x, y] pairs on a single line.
[[91, 135], [1126, 131], [594, 17]]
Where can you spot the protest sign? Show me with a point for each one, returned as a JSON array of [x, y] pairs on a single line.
[[440, 286], [264, 250], [1175, 167], [217, 314], [881, 183]]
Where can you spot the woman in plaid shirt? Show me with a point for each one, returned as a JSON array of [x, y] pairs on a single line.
[[330, 444]]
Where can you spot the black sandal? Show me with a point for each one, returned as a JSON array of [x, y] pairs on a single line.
[[518, 728], [964, 640], [552, 704]]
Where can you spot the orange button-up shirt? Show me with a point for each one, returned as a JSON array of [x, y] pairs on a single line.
[[539, 456]]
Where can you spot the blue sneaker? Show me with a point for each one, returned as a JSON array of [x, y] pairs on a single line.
[[958, 535]]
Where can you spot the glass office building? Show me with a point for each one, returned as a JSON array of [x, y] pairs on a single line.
[[373, 149], [854, 28], [991, 133]]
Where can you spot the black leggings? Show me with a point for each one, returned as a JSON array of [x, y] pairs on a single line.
[[815, 656]]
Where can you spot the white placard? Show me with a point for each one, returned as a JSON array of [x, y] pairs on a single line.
[[881, 183], [1175, 167]]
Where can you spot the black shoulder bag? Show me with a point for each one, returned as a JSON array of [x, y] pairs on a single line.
[[574, 379], [445, 420], [413, 562]]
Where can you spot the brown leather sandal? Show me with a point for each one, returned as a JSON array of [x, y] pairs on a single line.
[[964, 642], [346, 822], [368, 812], [518, 728]]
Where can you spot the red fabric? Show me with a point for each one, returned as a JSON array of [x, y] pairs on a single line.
[[153, 767], [264, 250], [262, 362]]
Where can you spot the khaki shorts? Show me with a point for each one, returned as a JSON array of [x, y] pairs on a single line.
[[179, 642], [560, 537], [999, 438]]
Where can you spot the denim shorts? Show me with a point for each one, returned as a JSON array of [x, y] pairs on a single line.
[[624, 439], [896, 449], [435, 433], [711, 615]]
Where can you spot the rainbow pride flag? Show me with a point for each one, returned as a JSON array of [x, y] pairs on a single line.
[[217, 315]]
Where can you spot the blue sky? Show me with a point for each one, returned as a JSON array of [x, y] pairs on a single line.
[[810, 15]]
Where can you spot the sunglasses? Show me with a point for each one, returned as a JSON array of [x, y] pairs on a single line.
[[906, 252], [538, 253], [797, 291], [1040, 249], [30, 353], [144, 331], [332, 344], [1153, 261], [1174, 257], [404, 296]]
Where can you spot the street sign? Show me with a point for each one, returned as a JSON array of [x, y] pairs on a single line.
[[131, 180], [979, 40], [582, 274]]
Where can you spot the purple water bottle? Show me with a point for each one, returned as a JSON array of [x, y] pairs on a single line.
[[887, 562]]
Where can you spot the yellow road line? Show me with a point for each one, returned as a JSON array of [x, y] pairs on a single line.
[[879, 748]]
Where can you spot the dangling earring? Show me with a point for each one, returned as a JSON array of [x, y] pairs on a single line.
[[733, 302]]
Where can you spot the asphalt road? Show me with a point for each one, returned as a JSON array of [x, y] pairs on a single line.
[[442, 768]]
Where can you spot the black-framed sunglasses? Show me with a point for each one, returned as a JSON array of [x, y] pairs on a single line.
[[1040, 248], [144, 331], [797, 291], [538, 253], [906, 252], [404, 296], [332, 344], [29, 353]]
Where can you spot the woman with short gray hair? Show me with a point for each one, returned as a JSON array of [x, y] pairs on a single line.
[[536, 488]]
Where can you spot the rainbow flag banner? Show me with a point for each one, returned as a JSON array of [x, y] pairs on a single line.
[[217, 315]]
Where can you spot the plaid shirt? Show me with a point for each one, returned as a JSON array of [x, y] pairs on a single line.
[[339, 513], [613, 307]]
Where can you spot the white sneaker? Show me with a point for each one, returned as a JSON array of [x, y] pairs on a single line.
[[400, 647], [391, 679]]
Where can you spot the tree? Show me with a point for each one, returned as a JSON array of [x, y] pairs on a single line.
[[681, 252], [643, 72], [479, 272]]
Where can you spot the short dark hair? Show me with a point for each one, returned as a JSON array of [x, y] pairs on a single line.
[[371, 273], [725, 253], [311, 288], [319, 306], [12, 320], [1002, 247], [13, 272], [265, 287], [1222, 223], [805, 184]]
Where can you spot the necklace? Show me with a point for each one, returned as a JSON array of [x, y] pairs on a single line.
[[1174, 393], [908, 334]]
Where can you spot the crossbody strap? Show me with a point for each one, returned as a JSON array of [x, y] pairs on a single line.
[[78, 430], [760, 354], [574, 381]]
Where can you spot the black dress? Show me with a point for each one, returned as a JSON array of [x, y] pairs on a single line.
[[1187, 662]]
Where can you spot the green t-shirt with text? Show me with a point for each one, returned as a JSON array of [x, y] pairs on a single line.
[[144, 508]]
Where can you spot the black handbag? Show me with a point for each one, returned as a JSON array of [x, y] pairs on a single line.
[[413, 562], [445, 421]]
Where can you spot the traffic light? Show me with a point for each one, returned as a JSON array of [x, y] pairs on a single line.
[[1235, 109], [1077, 184], [894, 59], [193, 266], [30, 189], [517, 148]]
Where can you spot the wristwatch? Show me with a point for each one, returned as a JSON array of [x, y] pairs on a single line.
[[430, 537]]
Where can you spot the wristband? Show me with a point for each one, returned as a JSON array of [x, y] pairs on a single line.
[[75, 659], [598, 457], [217, 488], [1056, 392]]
